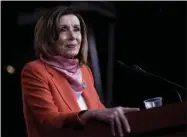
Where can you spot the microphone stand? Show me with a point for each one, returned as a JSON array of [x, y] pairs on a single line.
[[139, 69], [164, 79]]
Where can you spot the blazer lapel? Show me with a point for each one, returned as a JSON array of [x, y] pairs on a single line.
[[64, 89], [88, 99]]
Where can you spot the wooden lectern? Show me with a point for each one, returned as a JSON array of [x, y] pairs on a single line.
[[166, 121]]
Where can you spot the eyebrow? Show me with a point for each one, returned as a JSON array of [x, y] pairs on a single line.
[[76, 25]]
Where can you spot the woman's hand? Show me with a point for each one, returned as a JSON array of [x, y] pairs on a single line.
[[114, 116]]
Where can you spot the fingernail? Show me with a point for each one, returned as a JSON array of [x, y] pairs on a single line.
[[128, 130]]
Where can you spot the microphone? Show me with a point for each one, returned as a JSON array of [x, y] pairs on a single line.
[[139, 69]]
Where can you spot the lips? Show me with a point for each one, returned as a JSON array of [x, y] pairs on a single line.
[[71, 45]]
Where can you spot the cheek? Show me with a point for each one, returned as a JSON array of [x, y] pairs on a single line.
[[79, 39], [59, 46], [62, 39]]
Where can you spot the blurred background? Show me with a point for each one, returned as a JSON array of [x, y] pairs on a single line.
[[151, 35]]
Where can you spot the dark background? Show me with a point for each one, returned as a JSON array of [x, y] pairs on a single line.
[[149, 34]]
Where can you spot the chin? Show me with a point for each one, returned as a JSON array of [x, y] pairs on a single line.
[[71, 54]]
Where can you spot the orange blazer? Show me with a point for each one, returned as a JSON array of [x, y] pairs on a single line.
[[49, 104]]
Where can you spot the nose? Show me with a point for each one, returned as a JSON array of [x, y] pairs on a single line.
[[71, 35]]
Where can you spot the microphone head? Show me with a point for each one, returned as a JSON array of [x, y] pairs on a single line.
[[136, 67], [123, 64], [133, 67]]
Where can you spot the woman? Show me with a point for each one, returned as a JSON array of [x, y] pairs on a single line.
[[58, 88]]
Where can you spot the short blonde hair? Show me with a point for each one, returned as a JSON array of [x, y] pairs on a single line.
[[47, 32]]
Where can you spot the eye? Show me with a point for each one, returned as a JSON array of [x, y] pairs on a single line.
[[77, 29], [63, 29]]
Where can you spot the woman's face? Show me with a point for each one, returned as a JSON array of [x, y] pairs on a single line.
[[69, 41]]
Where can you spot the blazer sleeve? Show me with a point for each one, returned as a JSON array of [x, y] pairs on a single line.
[[100, 104], [38, 97]]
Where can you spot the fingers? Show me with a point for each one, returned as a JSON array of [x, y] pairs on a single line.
[[125, 122], [112, 126], [124, 119], [118, 120], [118, 124], [126, 109]]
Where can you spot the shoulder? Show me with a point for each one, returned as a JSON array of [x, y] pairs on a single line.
[[87, 71], [35, 64], [35, 67]]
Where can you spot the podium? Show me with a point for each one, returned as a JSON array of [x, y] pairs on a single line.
[[166, 121]]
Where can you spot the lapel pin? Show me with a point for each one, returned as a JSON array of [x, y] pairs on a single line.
[[84, 85]]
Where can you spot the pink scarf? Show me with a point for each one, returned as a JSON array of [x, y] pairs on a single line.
[[70, 69]]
